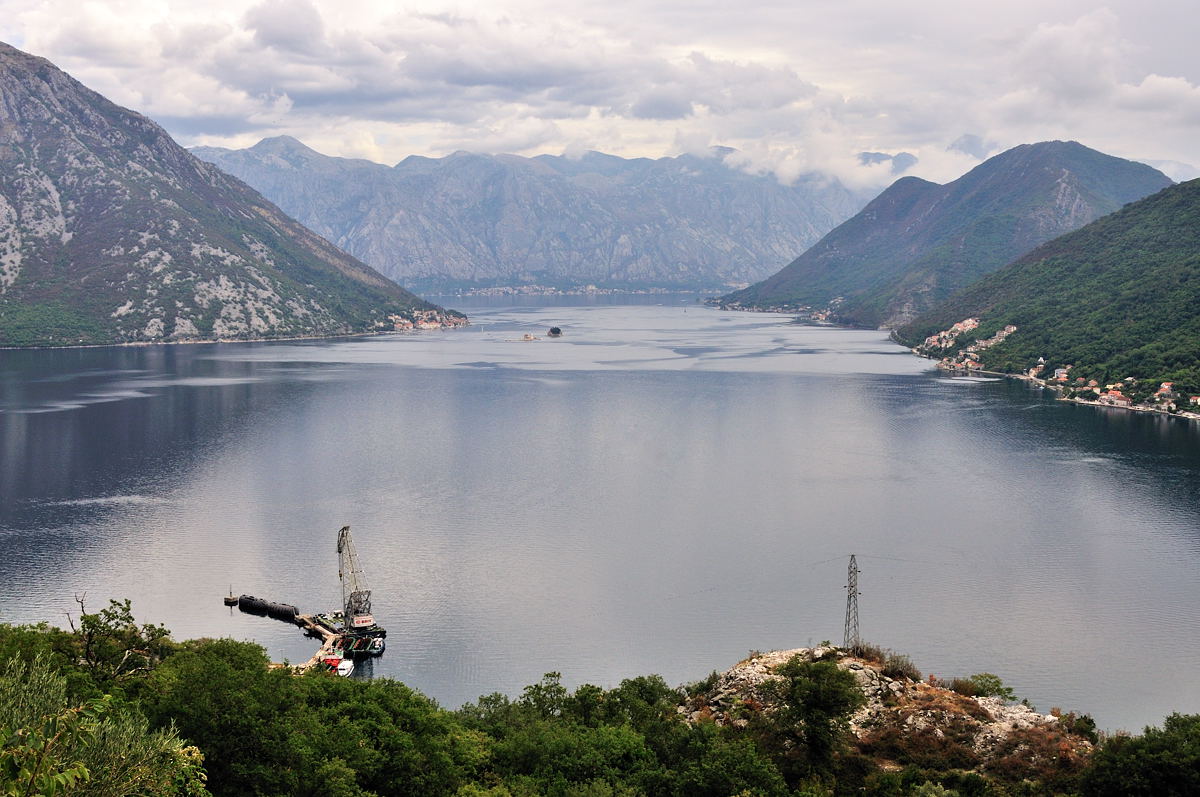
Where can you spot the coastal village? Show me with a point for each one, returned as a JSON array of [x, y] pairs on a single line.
[[1128, 393], [427, 319]]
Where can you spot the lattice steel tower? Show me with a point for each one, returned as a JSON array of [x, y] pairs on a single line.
[[356, 598], [851, 641]]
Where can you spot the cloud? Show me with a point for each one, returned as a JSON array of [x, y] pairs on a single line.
[[661, 104], [794, 86], [973, 145], [1072, 64], [293, 26]]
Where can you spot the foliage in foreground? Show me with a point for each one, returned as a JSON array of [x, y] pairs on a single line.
[[1164, 762], [97, 748], [112, 708]]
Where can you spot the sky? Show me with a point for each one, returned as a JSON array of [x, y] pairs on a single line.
[[794, 85]]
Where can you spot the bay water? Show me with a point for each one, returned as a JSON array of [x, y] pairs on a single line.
[[661, 490]]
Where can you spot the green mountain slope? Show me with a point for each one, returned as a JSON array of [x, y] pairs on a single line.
[[110, 232], [918, 242], [1118, 298]]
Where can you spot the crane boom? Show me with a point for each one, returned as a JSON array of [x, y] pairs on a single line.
[[356, 598]]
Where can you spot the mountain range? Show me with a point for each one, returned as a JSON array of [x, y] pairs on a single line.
[[469, 221], [1118, 298], [111, 232], [918, 242]]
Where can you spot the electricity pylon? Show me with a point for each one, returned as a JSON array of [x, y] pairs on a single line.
[[852, 641]]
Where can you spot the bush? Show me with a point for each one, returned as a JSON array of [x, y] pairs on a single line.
[[808, 728], [982, 684], [1081, 725], [1046, 755], [1162, 761], [704, 686], [898, 665], [923, 748], [868, 652], [100, 748], [269, 732], [892, 664]]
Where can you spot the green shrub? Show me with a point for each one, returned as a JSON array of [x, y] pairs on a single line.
[[1081, 725], [100, 748], [983, 684], [808, 728], [1161, 762], [703, 686]]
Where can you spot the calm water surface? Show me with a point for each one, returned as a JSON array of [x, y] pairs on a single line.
[[661, 490]]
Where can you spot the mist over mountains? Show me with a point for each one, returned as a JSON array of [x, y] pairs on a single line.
[[469, 221], [918, 242]]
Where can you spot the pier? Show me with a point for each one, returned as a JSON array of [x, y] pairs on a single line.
[[329, 640]]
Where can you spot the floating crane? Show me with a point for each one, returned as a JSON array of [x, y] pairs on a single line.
[[356, 598]]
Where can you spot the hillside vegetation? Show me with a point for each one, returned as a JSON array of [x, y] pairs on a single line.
[[113, 707], [918, 242], [1118, 298]]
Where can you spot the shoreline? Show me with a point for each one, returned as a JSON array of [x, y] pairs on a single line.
[[197, 342], [1186, 415], [1181, 414]]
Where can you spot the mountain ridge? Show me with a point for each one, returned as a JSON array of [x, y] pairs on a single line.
[[919, 241], [111, 232], [1112, 300], [468, 221]]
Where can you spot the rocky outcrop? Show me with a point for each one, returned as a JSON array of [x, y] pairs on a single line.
[[902, 716], [469, 221], [110, 232]]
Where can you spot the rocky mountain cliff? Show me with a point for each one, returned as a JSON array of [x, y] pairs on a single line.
[[110, 232], [471, 221], [918, 241]]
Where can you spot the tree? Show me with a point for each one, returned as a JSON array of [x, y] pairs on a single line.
[[814, 701], [95, 749], [113, 648], [246, 719], [1163, 762]]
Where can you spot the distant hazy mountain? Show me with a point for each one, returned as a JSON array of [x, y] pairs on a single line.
[[467, 221], [111, 232], [1118, 298], [917, 242]]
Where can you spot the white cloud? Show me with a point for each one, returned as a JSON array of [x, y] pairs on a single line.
[[794, 86]]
